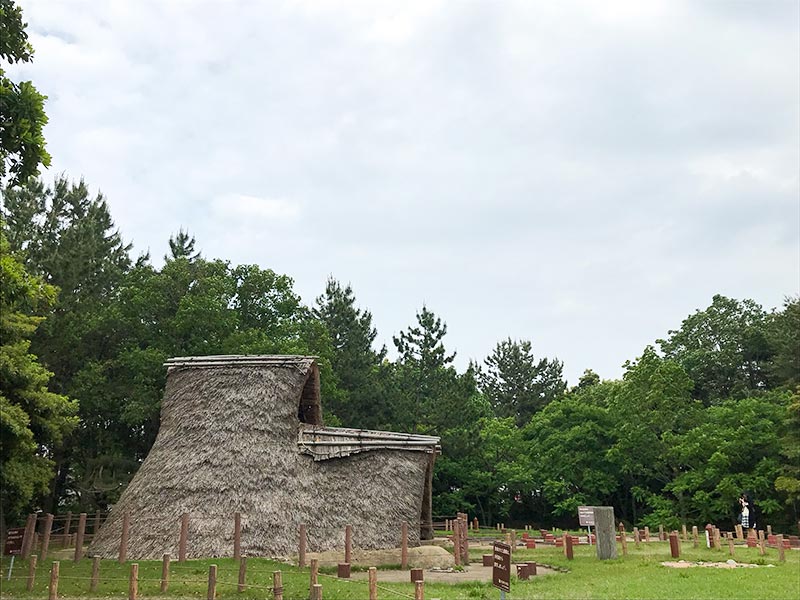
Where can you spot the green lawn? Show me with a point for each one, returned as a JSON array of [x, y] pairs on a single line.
[[639, 575]]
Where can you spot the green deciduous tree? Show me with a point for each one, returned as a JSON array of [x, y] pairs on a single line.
[[516, 384], [22, 116], [723, 349], [33, 420]]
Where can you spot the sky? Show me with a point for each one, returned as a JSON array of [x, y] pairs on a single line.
[[583, 175]]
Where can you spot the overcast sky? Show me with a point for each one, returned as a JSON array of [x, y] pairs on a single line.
[[582, 175]]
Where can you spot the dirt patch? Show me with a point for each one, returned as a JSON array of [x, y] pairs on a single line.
[[421, 557], [474, 572], [729, 564]]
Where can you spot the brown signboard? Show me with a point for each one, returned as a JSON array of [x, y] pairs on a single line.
[[14, 537], [501, 569]]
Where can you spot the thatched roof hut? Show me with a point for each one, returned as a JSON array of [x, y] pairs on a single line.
[[245, 434]]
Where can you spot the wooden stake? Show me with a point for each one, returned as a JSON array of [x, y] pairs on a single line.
[[277, 585], [781, 549], [684, 533], [95, 574], [674, 549], [242, 586], [48, 528], [623, 538], [31, 572], [184, 539], [79, 538], [636, 536], [695, 536], [646, 533], [165, 573], [761, 550], [730, 543], [457, 542], [237, 536], [348, 542], [212, 582], [316, 592], [133, 582], [373, 583], [568, 546], [54, 581], [28, 536], [404, 546], [419, 590], [661, 536], [302, 550], [123, 539], [769, 530], [314, 573]]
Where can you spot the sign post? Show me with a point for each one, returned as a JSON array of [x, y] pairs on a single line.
[[501, 568], [13, 547], [586, 519]]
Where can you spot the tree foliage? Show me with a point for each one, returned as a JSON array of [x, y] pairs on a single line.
[[33, 420], [22, 116]]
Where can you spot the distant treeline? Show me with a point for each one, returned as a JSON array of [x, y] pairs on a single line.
[[710, 410]]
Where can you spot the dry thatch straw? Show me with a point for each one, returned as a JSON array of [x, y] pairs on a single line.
[[244, 433]]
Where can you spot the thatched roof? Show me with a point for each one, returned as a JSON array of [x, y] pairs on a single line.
[[237, 434]]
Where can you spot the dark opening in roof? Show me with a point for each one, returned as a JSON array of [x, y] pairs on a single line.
[[310, 409]]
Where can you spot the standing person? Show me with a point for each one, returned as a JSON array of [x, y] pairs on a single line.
[[748, 515]]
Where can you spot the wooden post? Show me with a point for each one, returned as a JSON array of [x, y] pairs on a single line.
[[404, 547], [183, 541], [730, 543], [419, 590], [623, 538], [67, 524], [28, 536], [646, 533], [212, 582], [781, 550], [123, 538], [568, 546], [96, 526], [242, 586], [373, 583], [95, 574], [348, 543], [165, 573], [277, 585], [761, 550], [343, 570], [769, 530], [316, 592], [674, 549], [717, 539], [661, 536], [314, 573], [48, 528], [237, 536], [684, 534], [79, 538], [457, 542], [417, 575], [694, 536], [636, 536], [301, 560], [475, 524], [133, 582], [54, 581], [31, 573]]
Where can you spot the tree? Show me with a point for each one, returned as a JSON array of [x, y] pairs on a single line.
[[516, 384], [33, 420], [783, 335], [181, 245], [354, 361], [723, 349], [22, 116]]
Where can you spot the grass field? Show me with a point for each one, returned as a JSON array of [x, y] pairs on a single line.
[[639, 575]]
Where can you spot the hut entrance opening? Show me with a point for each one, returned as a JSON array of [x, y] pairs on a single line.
[[310, 410]]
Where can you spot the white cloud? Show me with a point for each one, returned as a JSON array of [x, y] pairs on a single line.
[[581, 174]]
